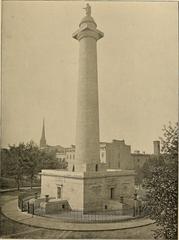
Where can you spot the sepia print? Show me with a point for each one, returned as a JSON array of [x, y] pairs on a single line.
[[89, 141]]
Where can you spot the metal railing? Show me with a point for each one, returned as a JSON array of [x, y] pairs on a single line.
[[23, 201], [94, 216], [67, 215]]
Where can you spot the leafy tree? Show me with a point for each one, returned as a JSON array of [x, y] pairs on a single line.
[[139, 176], [62, 164], [22, 161], [142, 172], [15, 164], [145, 171], [25, 161], [4, 161], [162, 186], [32, 161], [169, 141], [49, 160]]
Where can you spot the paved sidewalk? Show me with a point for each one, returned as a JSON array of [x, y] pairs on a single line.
[[11, 211]]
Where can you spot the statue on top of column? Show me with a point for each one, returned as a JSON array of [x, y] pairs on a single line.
[[88, 10]]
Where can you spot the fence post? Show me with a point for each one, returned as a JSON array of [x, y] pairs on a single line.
[[28, 206], [140, 210], [33, 209], [46, 198], [134, 211], [22, 205], [36, 195], [1, 218]]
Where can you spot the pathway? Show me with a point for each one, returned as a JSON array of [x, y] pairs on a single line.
[[11, 211]]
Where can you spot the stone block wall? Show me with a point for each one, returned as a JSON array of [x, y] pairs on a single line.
[[90, 191], [48, 185], [94, 194], [118, 155], [71, 187], [73, 192], [54, 206]]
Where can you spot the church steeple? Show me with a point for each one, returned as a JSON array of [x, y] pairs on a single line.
[[43, 143]]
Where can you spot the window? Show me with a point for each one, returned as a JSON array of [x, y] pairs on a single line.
[[102, 154], [63, 206], [96, 167], [59, 192], [73, 168], [105, 207], [111, 193]]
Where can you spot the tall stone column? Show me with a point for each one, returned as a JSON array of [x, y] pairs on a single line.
[[87, 156]]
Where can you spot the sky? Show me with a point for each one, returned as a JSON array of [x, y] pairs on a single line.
[[137, 70]]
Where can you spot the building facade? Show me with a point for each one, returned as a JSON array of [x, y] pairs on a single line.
[[115, 154]]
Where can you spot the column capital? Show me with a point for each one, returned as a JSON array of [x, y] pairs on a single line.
[[87, 31]]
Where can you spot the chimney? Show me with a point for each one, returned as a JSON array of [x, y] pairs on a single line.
[[156, 147]]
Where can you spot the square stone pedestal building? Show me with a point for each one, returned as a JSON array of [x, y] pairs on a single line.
[[90, 191], [87, 185]]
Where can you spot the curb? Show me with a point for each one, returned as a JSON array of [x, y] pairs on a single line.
[[41, 222]]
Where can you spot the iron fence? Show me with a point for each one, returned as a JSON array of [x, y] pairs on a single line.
[[23, 201], [96, 216], [67, 215]]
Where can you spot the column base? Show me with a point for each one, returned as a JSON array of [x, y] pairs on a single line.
[[86, 167]]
